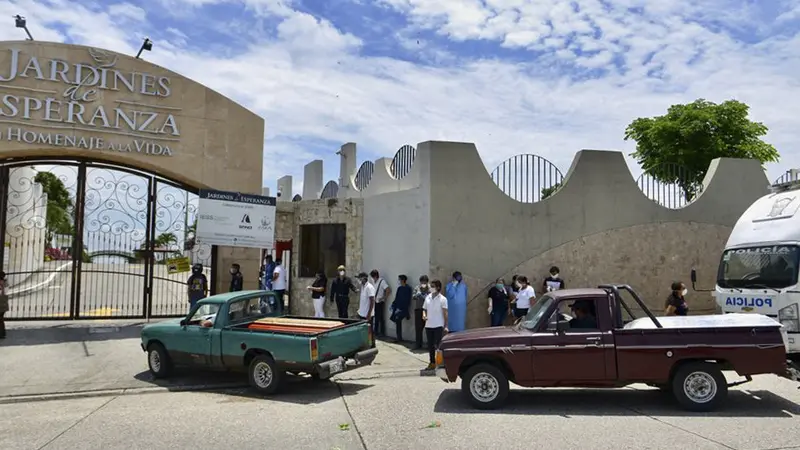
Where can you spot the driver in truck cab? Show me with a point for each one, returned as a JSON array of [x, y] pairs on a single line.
[[584, 315]]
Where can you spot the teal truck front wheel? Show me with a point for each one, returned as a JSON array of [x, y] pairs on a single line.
[[158, 360], [265, 376]]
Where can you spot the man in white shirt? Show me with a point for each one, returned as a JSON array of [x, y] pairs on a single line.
[[382, 292], [524, 297], [279, 284], [366, 303], [434, 313]]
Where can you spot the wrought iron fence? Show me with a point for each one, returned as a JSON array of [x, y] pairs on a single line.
[[790, 176], [527, 178], [670, 185], [402, 161], [364, 175], [297, 198], [331, 190]]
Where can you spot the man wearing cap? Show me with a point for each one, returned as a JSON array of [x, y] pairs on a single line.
[[340, 292]]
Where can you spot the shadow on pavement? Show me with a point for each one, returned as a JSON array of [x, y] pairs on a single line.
[[620, 402], [301, 390], [70, 333]]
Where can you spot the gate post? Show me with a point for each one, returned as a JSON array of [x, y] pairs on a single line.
[[3, 211], [77, 243]]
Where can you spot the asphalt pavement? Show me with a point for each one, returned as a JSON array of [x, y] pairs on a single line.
[[91, 391]]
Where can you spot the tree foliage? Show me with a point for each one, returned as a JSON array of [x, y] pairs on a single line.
[[59, 204], [548, 191], [691, 136]]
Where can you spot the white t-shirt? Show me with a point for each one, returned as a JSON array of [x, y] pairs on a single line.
[[524, 297], [380, 289], [435, 307], [280, 283], [367, 291]]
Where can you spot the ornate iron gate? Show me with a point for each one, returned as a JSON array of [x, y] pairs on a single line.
[[85, 239]]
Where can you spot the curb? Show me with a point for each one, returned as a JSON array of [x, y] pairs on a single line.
[[11, 399]]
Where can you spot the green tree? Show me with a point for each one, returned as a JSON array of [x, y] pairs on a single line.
[[548, 191], [165, 239], [59, 205], [691, 136]]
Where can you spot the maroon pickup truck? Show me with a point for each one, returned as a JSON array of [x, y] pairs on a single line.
[[578, 338]]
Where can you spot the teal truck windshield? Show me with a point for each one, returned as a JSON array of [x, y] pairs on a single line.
[[773, 267]]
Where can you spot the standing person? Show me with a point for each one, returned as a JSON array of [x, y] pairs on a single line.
[[237, 280], [266, 276], [498, 303], [279, 284], [401, 305], [676, 302], [366, 302], [4, 306], [457, 303], [554, 282], [340, 292], [318, 288], [420, 292], [197, 285], [382, 291], [435, 314], [524, 297]]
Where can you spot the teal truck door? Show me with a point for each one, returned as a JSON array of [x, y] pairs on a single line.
[[192, 345]]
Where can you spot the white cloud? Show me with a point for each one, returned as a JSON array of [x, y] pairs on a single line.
[[311, 82]]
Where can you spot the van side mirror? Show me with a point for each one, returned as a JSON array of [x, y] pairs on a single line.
[[183, 322], [693, 276]]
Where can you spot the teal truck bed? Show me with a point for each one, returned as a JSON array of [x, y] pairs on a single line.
[[231, 332]]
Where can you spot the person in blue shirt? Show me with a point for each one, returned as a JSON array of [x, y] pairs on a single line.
[[456, 294], [401, 306], [197, 285]]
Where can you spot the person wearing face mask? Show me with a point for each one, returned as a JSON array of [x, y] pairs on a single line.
[[456, 303], [420, 292], [401, 305], [382, 291], [237, 280], [524, 297], [435, 315], [676, 302], [341, 287], [279, 284], [318, 288], [197, 285], [498, 303], [554, 282]]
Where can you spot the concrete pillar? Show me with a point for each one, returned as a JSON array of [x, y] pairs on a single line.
[[285, 188], [347, 168], [265, 191], [312, 180]]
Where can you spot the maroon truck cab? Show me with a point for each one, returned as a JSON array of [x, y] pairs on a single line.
[[581, 338]]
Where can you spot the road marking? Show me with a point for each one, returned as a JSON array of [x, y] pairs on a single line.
[[91, 313], [48, 281]]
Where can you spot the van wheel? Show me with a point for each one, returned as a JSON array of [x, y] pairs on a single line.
[[699, 386], [158, 360], [264, 374], [485, 386]]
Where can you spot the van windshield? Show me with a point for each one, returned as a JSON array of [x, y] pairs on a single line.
[[773, 267]]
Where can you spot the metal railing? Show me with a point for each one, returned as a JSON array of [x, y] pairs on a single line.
[[527, 178]]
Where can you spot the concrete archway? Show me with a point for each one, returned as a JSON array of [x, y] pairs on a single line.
[[91, 109]]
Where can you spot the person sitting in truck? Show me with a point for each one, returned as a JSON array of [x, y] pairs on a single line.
[[584, 315]]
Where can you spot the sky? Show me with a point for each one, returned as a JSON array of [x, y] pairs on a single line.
[[512, 76]]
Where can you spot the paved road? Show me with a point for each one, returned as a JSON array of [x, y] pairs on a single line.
[[386, 406], [106, 290], [395, 413]]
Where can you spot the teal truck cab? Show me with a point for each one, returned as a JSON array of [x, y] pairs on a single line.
[[229, 332]]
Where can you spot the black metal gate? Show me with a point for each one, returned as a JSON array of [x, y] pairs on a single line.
[[91, 240]]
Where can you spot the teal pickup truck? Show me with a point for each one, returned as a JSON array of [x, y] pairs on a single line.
[[230, 332]]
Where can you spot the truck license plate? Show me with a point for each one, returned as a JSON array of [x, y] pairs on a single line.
[[336, 366]]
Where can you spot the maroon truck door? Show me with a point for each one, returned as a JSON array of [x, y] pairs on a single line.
[[577, 354]]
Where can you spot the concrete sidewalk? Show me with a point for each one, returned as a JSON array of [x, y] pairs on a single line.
[[85, 358]]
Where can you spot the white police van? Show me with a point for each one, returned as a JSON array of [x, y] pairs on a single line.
[[761, 263]]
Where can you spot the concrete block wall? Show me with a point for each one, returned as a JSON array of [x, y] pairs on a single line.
[[598, 227]]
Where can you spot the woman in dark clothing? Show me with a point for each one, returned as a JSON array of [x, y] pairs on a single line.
[[401, 306], [498, 303], [676, 302]]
